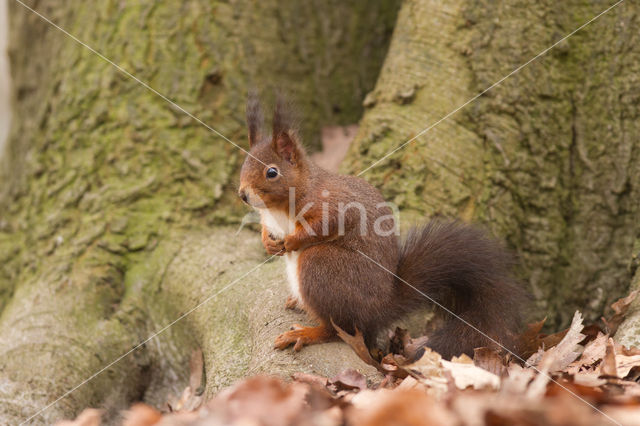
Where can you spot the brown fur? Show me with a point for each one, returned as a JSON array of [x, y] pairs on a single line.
[[454, 264]]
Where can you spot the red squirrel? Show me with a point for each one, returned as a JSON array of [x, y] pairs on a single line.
[[307, 217]]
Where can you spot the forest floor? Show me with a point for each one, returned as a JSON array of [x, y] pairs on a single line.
[[579, 376]]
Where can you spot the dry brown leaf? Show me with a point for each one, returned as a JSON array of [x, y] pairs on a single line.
[[564, 409], [266, 400], [391, 366], [490, 360], [591, 378], [624, 364], [357, 344], [517, 380], [349, 379], [466, 375], [624, 415], [620, 308], [311, 379], [428, 371], [141, 415], [593, 353], [565, 352], [538, 387], [462, 359], [555, 359], [621, 349], [408, 383], [360, 348], [88, 417], [608, 364], [532, 340], [407, 407], [401, 342]]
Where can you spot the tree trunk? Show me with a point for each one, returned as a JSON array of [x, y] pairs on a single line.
[[549, 159], [113, 202]]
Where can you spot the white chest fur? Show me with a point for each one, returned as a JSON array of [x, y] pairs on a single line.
[[280, 225]]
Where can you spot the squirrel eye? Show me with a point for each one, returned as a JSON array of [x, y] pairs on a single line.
[[272, 172]]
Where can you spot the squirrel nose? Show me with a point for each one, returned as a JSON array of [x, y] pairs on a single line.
[[243, 195]]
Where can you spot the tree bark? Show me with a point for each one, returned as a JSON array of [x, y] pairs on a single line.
[[113, 202], [548, 159], [628, 332]]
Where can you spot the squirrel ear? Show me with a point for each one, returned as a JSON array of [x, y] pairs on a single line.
[[285, 141], [254, 118], [286, 146]]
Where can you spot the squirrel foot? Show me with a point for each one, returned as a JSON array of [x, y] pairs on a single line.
[[300, 336], [291, 303]]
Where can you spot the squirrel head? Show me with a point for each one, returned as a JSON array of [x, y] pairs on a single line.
[[274, 163]]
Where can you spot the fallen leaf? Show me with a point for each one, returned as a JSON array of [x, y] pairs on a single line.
[[532, 340], [349, 379], [357, 344], [407, 407], [360, 348], [517, 380], [624, 364], [468, 375], [490, 360], [462, 359], [624, 415], [593, 352], [591, 378], [266, 400], [608, 364], [621, 349], [141, 415], [401, 343], [311, 379], [633, 375], [564, 353], [620, 308], [88, 417], [429, 371], [529, 341]]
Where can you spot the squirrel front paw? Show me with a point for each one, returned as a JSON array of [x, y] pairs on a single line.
[[291, 303], [273, 246], [291, 243]]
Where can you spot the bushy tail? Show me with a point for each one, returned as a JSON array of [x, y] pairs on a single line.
[[463, 270]]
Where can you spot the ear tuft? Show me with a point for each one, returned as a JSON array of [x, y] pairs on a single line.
[[254, 117], [285, 139]]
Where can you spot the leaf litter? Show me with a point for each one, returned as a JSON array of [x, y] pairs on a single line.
[[579, 376]]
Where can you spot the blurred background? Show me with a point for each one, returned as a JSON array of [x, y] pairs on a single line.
[[5, 112]]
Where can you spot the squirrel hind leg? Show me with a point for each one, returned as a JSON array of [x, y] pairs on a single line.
[[300, 336]]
